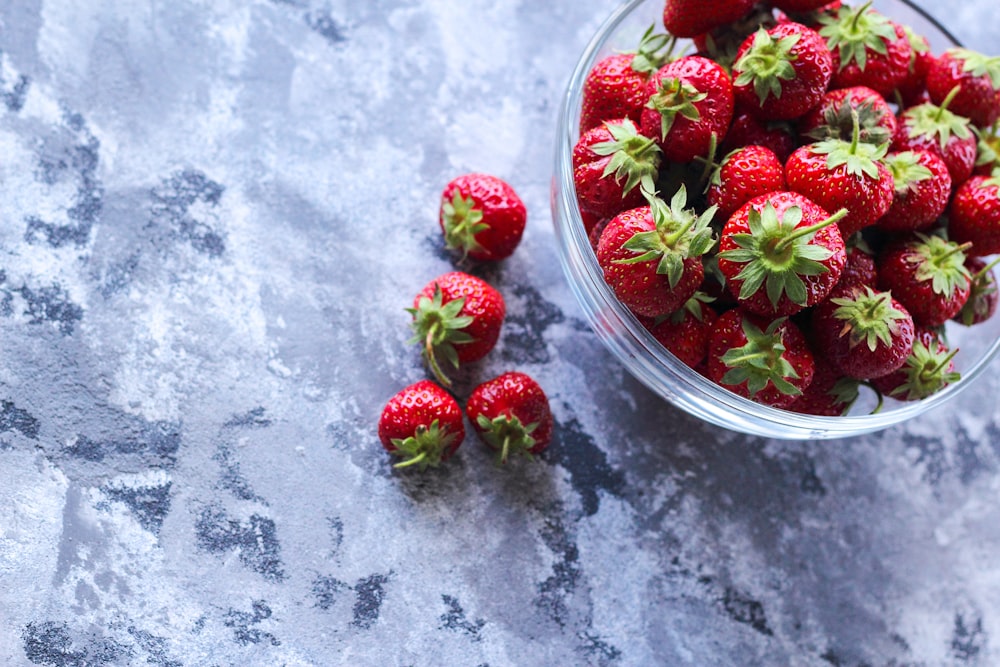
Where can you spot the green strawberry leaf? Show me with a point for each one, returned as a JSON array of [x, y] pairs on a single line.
[[673, 98], [766, 64], [868, 317], [853, 32], [977, 64], [761, 360]]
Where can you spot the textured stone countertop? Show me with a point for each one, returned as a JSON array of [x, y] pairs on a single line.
[[215, 212]]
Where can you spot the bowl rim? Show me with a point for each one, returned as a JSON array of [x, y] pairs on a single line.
[[630, 341]]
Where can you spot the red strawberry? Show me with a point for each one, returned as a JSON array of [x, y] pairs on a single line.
[[974, 215], [863, 333], [860, 268], [936, 129], [781, 253], [482, 216], [747, 130], [689, 109], [511, 414], [743, 174], [690, 18], [721, 43], [977, 78], [923, 187], [927, 370], [781, 73], [609, 161], [685, 331], [616, 85], [912, 90], [868, 49], [457, 318], [830, 394], [422, 424], [769, 363], [834, 117], [926, 274], [982, 302], [843, 174], [651, 256]]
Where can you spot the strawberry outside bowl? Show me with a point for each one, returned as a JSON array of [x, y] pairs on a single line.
[[643, 356]]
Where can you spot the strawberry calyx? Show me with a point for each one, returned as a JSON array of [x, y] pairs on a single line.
[[675, 97], [932, 120], [838, 123], [508, 435], [767, 63], [906, 170], [869, 317], [978, 64], [438, 327], [857, 157], [653, 52], [776, 253], [941, 262], [425, 448], [634, 157], [926, 372], [761, 360], [853, 32], [680, 234], [462, 220], [978, 307], [693, 306]]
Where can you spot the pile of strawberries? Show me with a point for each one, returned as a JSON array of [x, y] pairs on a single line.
[[456, 319], [798, 207]]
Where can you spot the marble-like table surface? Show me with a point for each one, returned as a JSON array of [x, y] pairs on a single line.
[[213, 215]]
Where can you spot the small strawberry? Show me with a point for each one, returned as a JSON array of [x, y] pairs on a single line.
[[982, 302], [781, 253], [923, 187], [615, 87], [511, 415], [781, 73], [974, 215], [843, 174], [743, 174], [651, 256], [422, 424], [936, 129], [482, 216], [689, 108], [690, 18], [860, 268], [609, 162], [912, 90], [830, 394], [927, 370], [868, 49], [747, 130], [685, 331], [769, 363], [926, 274], [457, 318], [834, 117], [863, 333], [977, 78]]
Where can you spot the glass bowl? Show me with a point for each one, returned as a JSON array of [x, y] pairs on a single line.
[[636, 348]]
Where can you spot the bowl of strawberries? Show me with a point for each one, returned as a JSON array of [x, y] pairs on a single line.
[[783, 217]]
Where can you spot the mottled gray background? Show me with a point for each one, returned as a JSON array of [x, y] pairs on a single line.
[[214, 213]]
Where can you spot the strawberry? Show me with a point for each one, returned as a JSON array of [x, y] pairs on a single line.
[[721, 43], [912, 90], [609, 161], [927, 370], [743, 174], [843, 174], [422, 424], [781, 253], [863, 333], [926, 274], [689, 108], [511, 414], [974, 215], [868, 49], [769, 363], [936, 129], [685, 331], [690, 18], [834, 117], [982, 302], [457, 318], [860, 268], [615, 87], [923, 187], [781, 73], [747, 130], [977, 78], [482, 216], [830, 394], [651, 256]]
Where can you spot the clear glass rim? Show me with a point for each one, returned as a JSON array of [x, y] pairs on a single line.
[[639, 351]]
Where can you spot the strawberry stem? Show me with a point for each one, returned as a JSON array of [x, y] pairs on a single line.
[[413, 461], [783, 243], [929, 374], [429, 345], [946, 101]]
